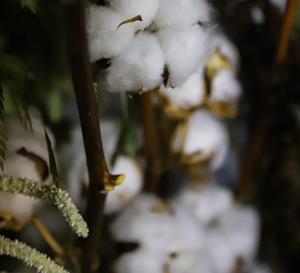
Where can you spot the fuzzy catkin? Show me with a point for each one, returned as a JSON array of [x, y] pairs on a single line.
[[57, 196], [30, 256]]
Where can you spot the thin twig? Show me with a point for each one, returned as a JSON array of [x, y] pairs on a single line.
[[151, 146], [88, 112], [260, 135]]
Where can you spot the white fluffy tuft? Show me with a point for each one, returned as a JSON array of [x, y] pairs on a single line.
[[204, 133], [225, 87], [131, 8], [206, 202], [105, 40], [185, 49], [179, 13], [189, 95], [138, 67]]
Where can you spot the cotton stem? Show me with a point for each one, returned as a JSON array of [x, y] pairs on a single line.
[[151, 146], [88, 112]]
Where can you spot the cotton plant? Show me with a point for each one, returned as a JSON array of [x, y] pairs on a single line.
[[145, 40], [73, 160], [168, 238]]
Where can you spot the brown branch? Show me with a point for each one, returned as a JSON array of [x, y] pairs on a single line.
[[285, 31], [88, 112], [260, 135], [151, 146]]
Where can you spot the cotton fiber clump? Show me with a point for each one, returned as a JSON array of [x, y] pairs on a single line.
[[190, 95], [206, 202], [202, 138], [105, 38], [225, 87], [132, 8], [185, 49], [125, 32], [177, 12], [137, 68], [233, 236], [172, 238], [168, 237], [26, 157], [73, 161]]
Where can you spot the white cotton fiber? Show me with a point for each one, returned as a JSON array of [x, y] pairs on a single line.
[[138, 67], [227, 49], [132, 8], [206, 202], [189, 95], [180, 13], [132, 184], [185, 49], [138, 222], [225, 87], [205, 134], [234, 235], [105, 38], [19, 206], [192, 262], [33, 141], [141, 260], [76, 174]]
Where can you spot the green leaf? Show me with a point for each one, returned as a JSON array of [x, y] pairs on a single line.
[[53, 168], [30, 4], [14, 73]]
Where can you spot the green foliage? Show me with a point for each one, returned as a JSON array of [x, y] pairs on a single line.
[[53, 168], [29, 255], [14, 75], [30, 4]]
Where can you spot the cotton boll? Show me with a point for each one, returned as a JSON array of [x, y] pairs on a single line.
[[234, 235], [177, 12], [204, 136], [225, 88], [19, 206], [189, 95], [131, 186], [138, 67], [139, 222], [132, 8], [141, 260], [185, 49], [227, 49], [105, 38], [206, 202]]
